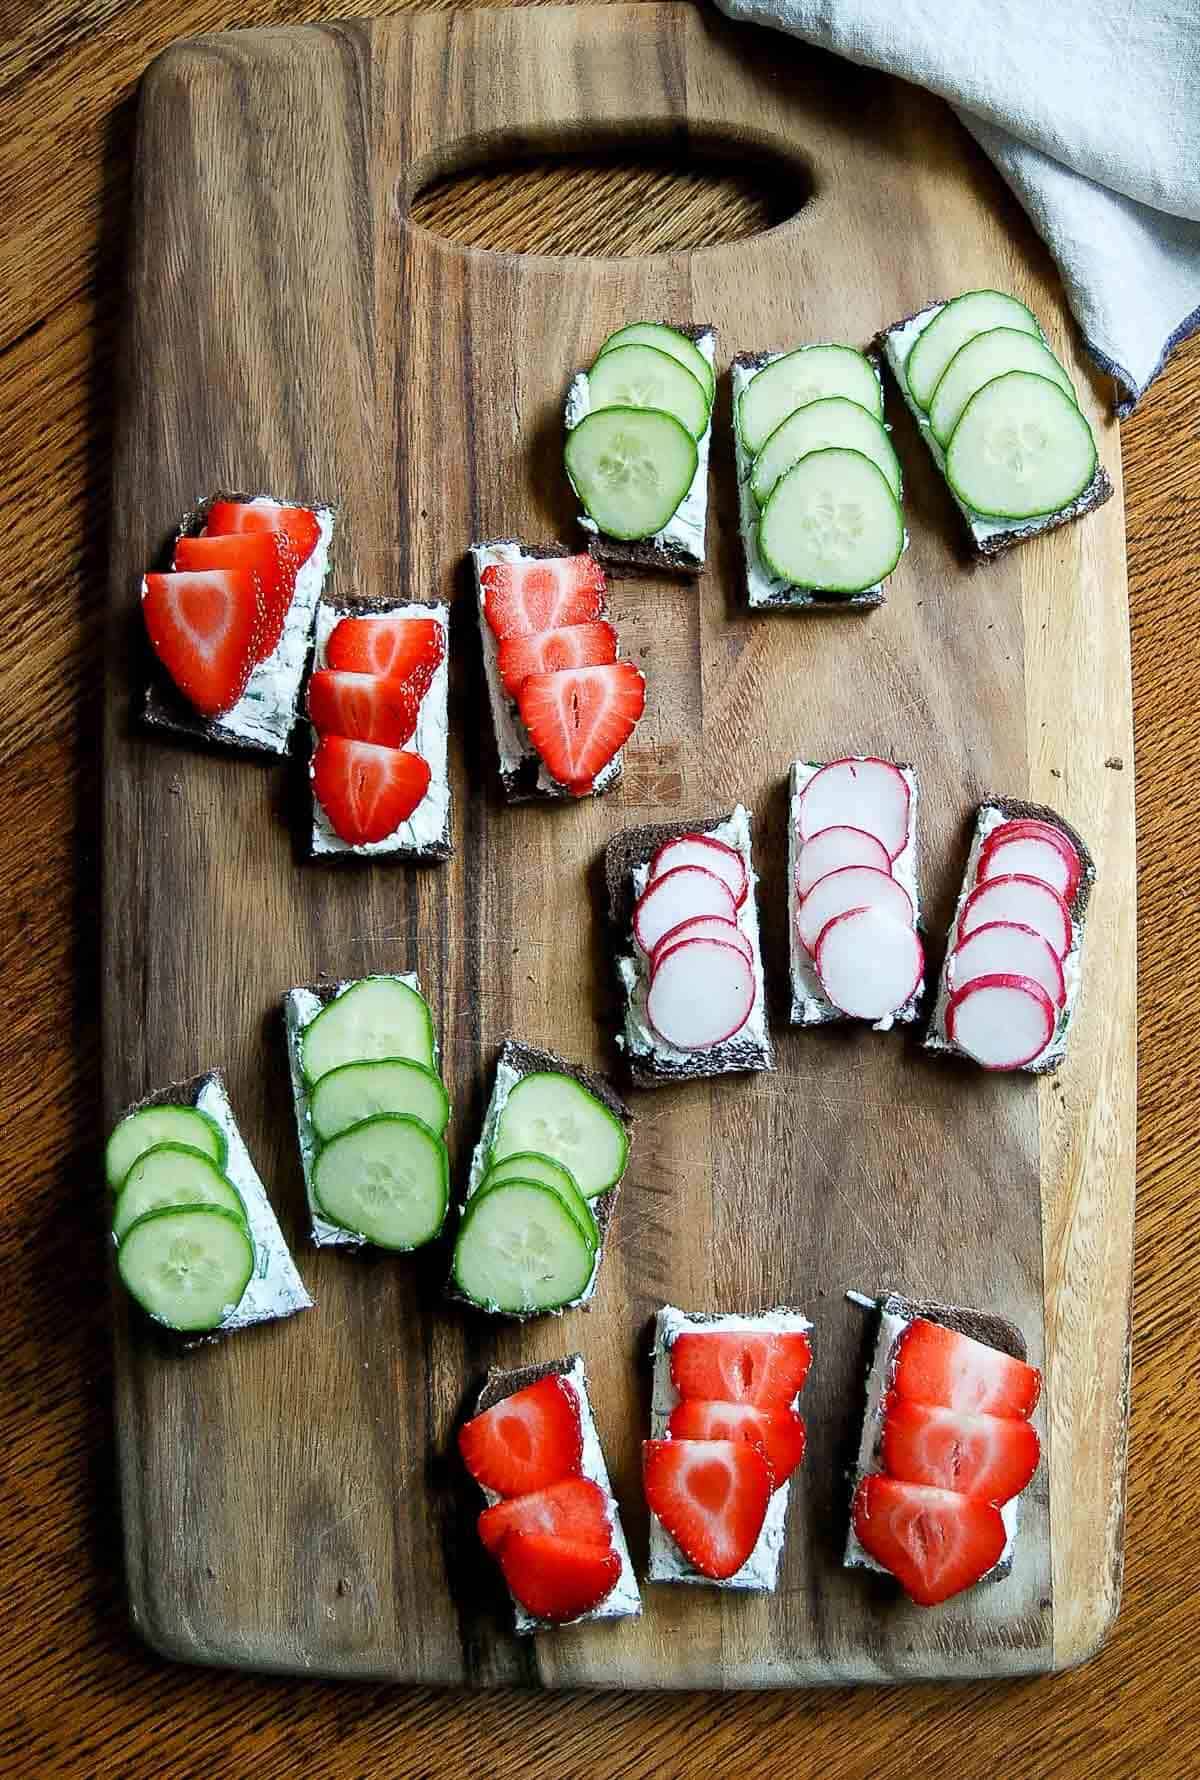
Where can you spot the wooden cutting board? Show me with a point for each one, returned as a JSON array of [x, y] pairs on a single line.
[[290, 1497]]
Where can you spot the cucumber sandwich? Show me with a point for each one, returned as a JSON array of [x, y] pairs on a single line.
[[542, 1187], [198, 1245], [371, 1112], [639, 423], [999, 415], [819, 484]]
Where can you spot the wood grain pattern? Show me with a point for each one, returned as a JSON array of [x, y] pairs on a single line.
[[86, 1698]]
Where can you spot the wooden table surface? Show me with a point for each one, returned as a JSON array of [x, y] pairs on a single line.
[[81, 1696]]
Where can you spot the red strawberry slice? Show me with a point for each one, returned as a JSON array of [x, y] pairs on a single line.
[[778, 1434], [527, 1441], [558, 1579], [577, 720], [575, 1508], [724, 1366], [269, 559], [398, 648], [205, 629], [365, 790], [992, 1456], [711, 1496], [550, 651], [299, 524], [937, 1365], [523, 598], [363, 707], [934, 1542]]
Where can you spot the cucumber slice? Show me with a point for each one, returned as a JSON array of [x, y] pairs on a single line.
[[378, 1018], [520, 1250], [528, 1165], [976, 312], [187, 1268], [1021, 449], [554, 1115], [806, 375], [386, 1179], [631, 468], [357, 1091], [643, 377], [978, 362], [142, 1131], [832, 523], [172, 1174], [669, 340], [833, 420]]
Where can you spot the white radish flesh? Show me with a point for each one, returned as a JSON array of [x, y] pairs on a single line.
[[868, 794], [1002, 1021], [1030, 828], [1027, 901], [1017, 856], [854, 887], [678, 896], [703, 927], [707, 852], [832, 848], [1007, 948], [869, 963], [701, 993]]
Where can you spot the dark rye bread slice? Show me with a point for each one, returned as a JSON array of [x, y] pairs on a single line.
[[642, 553], [160, 705], [1098, 490], [529, 1060], [623, 854]]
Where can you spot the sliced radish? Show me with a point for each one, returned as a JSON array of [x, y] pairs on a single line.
[[1006, 948], [703, 927], [1030, 902], [1032, 850], [1002, 1021], [868, 794], [853, 887], [701, 993], [868, 962], [678, 896], [832, 848], [707, 852]]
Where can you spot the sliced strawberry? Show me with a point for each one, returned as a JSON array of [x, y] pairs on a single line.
[[522, 598], [205, 628], [399, 648], [934, 1542], [527, 1441], [362, 707], [992, 1456], [574, 1508], [937, 1365], [269, 559], [365, 790], [777, 1433], [711, 1496], [724, 1366], [299, 524], [558, 1579], [578, 719], [550, 651]]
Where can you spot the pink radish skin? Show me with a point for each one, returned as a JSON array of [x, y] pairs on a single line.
[[1027, 901], [1028, 828], [703, 927], [1006, 948], [707, 852], [831, 849], [1001, 1021], [677, 896], [869, 794], [1025, 856], [869, 963], [700, 995], [853, 887]]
